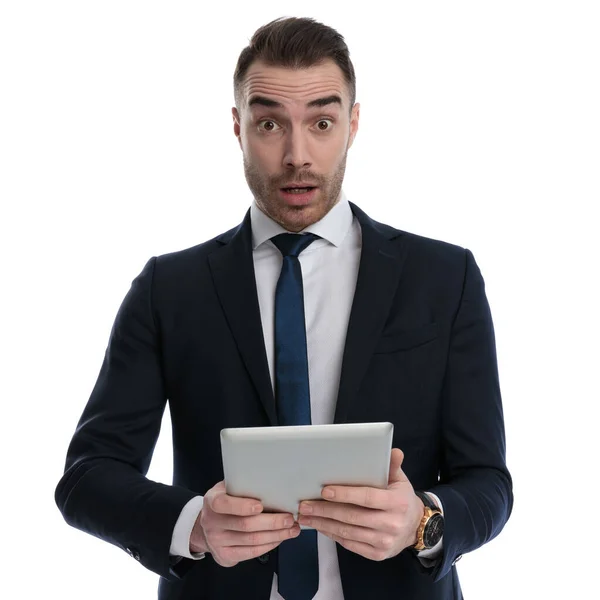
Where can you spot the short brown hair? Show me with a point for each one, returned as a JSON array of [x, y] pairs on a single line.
[[295, 43]]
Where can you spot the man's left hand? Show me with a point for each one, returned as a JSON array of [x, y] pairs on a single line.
[[375, 523]]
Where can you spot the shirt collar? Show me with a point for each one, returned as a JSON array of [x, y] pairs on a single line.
[[333, 227]]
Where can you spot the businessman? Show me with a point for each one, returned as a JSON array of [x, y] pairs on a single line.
[[308, 312]]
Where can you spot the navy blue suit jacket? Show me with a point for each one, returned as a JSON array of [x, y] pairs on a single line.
[[420, 353]]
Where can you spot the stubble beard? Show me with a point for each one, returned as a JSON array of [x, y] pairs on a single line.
[[295, 218]]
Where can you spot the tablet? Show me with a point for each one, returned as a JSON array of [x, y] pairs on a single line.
[[281, 466]]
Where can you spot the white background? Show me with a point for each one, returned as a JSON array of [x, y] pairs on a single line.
[[479, 126]]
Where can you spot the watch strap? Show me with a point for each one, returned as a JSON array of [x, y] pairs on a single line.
[[427, 501]]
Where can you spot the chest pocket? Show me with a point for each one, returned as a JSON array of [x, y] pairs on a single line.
[[407, 339]]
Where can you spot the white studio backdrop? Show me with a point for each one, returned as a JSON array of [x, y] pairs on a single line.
[[479, 126]]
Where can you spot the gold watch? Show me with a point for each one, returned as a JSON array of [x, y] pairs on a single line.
[[431, 528]]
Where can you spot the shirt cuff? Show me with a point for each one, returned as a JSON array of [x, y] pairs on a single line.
[[428, 557], [180, 542]]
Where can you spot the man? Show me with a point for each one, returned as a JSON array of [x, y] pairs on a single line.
[[394, 327]]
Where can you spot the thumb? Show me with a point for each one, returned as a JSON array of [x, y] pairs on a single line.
[[396, 473]]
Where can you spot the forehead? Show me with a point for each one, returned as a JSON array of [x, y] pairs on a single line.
[[294, 87]]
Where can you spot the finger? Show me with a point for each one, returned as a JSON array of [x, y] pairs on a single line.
[[235, 554], [256, 538], [361, 548], [221, 502], [366, 535], [346, 513], [396, 474], [368, 497], [262, 522]]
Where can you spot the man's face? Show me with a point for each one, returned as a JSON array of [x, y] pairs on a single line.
[[287, 141]]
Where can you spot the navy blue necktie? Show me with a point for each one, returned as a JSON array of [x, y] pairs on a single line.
[[298, 569]]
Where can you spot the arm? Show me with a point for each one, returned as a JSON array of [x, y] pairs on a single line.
[[475, 486], [104, 490]]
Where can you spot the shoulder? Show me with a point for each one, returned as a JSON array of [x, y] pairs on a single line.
[[194, 256], [427, 251], [419, 248], [432, 268]]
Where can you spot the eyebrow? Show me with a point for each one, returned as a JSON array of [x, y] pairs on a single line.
[[262, 101]]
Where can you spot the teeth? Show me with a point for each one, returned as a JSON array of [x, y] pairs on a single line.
[[297, 190]]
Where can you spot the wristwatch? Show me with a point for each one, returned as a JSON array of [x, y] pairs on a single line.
[[431, 528]]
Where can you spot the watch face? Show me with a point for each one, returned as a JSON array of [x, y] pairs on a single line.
[[434, 530]]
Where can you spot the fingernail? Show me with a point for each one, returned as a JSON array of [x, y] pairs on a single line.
[[327, 493], [288, 522], [256, 508], [305, 508]]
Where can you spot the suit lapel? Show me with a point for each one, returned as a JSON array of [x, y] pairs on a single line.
[[379, 272], [232, 269], [378, 276]]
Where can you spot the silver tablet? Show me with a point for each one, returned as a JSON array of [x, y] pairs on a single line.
[[281, 466]]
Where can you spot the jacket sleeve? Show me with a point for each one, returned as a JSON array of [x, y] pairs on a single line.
[[475, 486], [104, 490]]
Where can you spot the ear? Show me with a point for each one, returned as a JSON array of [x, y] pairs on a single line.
[[354, 117], [237, 124]]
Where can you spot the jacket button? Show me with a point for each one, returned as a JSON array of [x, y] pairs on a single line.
[[133, 553], [263, 559], [456, 559]]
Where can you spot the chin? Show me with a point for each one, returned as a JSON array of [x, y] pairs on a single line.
[[300, 217]]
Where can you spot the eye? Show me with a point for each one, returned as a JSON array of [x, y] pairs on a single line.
[[268, 129], [321, 121]]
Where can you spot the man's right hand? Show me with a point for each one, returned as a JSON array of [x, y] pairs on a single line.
[[235, 529]]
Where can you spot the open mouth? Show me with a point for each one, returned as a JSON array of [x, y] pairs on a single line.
[[298, 190]]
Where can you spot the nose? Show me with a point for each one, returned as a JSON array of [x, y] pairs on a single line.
[[296, 153]]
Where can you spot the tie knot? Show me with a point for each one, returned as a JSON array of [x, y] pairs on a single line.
[[292, 244]]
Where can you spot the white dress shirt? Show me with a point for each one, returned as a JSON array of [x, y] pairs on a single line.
[[329, 273]]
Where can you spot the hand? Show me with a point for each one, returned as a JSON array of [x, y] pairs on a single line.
[[372, 522], [234, 529]]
